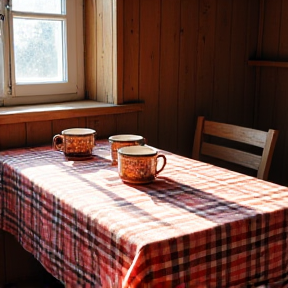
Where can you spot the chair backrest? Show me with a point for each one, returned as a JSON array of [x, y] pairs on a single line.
[[250, 137]]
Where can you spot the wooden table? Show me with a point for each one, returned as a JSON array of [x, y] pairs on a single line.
[[197, 225]]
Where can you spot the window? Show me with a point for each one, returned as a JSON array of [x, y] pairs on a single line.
[[42, 43]]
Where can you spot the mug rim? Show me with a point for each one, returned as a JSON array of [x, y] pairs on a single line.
[[78, 131], [138, 151], [125, 138]]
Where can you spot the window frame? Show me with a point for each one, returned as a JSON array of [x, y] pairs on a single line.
[[75, 53]]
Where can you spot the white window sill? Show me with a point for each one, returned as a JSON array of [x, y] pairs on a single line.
[[43, 112]]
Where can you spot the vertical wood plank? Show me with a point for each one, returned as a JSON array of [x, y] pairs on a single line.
[[205, 57], [61, 124], [120, 50], [108, 67], [90, 48], [105, 126], [149, 68], [238, 57], [251, 28], [222, 59], [114, 98], [104, 40], [131, 52], [169, 73], [100, 92], [280, 117], [269, 74], [187, 76], [127, 123], [39, 133], [12, 136]]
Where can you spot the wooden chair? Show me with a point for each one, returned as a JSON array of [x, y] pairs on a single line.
[[244, 154]]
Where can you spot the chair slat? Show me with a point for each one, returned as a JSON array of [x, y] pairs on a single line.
[[236, 133], [231, 155], [258, 138]]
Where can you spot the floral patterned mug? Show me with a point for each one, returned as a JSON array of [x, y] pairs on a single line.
[[139, 164]]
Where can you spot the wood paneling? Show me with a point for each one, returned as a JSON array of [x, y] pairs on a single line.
[[169, 73], [90, 49], [36, 133], [131, 51], [12, 135], [205, 58], [222, 64], [150, 59], [104, 34], [105, 126], [127, 124], [60, 125], [39, 133], [187, 71], [100, 57]]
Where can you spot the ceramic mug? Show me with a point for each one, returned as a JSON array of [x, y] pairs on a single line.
[[75, 142], [123, 140], [139, 164]]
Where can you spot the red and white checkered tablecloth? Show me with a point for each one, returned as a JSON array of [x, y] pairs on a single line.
[[197, 225]]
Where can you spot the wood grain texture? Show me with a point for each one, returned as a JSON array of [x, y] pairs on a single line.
[[66, 110], [149, 65], [127, 124], [104, 125], [236, 133], [231, 155], [39, 133], [205, 57], [120, 37], [59, 125], [104, 50], [169, 71], [12, 135], [90, 49], [230, 152], [131, 51], [237, 110], [221, 65], [187, 74]]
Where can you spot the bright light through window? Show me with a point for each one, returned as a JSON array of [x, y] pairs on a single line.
[[40, 6], [38, 49]]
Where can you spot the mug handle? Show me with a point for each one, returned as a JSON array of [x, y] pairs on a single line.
[[143, 142], [58, 142], [163, 164]]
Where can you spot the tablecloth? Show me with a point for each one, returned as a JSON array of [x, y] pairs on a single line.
[[196, 225]]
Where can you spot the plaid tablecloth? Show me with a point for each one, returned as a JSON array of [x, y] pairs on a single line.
[[197, 225]]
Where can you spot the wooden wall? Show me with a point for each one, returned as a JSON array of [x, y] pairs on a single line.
[[272, 82], [35, 133], [185, 58]]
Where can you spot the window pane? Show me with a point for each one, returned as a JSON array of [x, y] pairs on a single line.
[[40, 6], [39, 51]]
